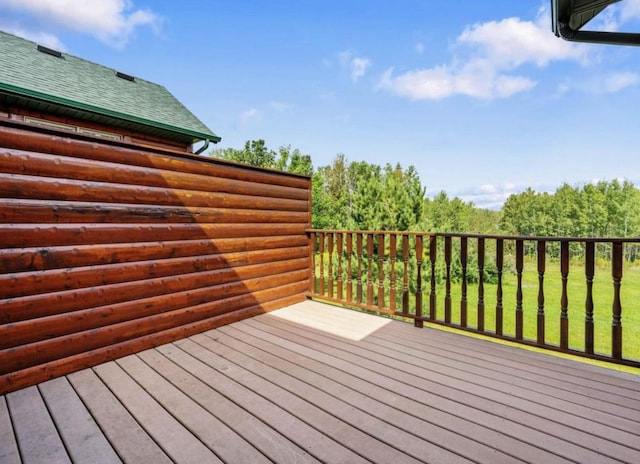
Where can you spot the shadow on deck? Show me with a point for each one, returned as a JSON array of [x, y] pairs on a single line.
[[315, 383]]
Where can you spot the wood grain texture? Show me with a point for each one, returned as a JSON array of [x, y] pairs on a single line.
[[106, 249]]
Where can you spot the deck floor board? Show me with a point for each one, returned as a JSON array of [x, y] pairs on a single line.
[[315, 383]]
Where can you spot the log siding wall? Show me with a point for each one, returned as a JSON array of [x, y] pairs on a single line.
[[106, 250]]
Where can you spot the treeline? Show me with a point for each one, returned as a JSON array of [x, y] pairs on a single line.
[[359, 195]]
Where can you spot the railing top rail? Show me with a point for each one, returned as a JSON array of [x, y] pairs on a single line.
[[486, 236]]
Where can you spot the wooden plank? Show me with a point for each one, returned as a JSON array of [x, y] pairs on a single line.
[[274, 299], [541, 365], [452, 432], [51, 235], [327, 414], [55, 188], [43, 258], [179, 444], [8, 446], [43, 351], [42, 164], [36, 282], [33, 141], [271, 443], [35, 431], [222, 440], [519, 416], [591, 395], [36, 211], [124, 433], [44, 321], [588, 404], [82, 436], [411, 430], [197, 360]]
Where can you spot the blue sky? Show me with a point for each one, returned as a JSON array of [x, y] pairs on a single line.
[[478, 95]]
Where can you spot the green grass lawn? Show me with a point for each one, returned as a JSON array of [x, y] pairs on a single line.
[[576, 289]]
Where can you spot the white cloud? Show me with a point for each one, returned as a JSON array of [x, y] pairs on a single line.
[[42, 38], [359, 68], [488, 195], [629, 10], [279, 107], [249, 115], [492, 51], [111, 21], [356, 65], [420, 48], [619, 81]]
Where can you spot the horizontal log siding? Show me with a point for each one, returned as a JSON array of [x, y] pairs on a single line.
[[107, 250]]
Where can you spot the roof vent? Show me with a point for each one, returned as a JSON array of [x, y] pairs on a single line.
[[126, 77], [49, 51]]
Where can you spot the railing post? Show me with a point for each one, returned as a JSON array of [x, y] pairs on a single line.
[[589, 271], [370, 269], [405, 277], [381, 270], [447, 294], [419, 253], [541, 268], [499, 266], [340, 283], [321, 292], [359, 276], [392, 257], [463, 297], [616, 322], [432, 257], [564, 300], [331, 237], [519, 267], [480, 284], [349, 270], [312, 263]]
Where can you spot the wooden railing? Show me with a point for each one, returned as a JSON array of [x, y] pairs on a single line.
[[541, 291]]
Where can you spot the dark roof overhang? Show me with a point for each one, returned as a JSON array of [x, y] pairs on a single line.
[[569, 16]]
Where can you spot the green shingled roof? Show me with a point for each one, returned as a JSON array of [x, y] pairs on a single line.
[[89, 91]]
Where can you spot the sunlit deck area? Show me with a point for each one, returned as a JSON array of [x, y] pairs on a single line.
[[316, 383]]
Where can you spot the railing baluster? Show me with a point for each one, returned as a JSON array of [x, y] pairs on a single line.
[[349, 270], [330, 237], [338, 280], [542, 253], [370, 269], [499, 266], [321, 263], [359, 282], [463, 297], [564, 299], [419, 254], [339, 244], [432, 257], [616, 322], [589, 271], [312, 264], [519, 267], [480, 324], [447, 294], [380, 270], [392, 257], [405, 277]]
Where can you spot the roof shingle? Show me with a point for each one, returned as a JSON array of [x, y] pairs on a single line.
[[93, 89]]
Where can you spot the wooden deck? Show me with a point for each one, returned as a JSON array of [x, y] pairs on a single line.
[[314, 383]]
